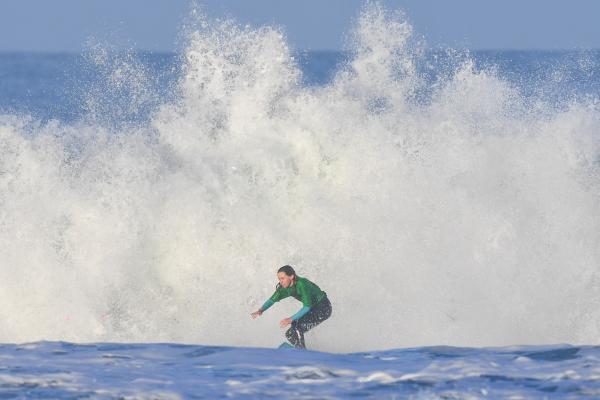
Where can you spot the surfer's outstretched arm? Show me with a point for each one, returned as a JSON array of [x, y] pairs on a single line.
[[265, 306], [262, 309]]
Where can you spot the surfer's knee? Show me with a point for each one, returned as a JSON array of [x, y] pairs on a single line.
[[290, 334]]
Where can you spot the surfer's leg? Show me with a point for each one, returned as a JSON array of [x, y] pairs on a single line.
[[314, 317], [295, 336]]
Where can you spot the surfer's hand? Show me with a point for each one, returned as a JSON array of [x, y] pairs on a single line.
[[256, 314], [285, 322]]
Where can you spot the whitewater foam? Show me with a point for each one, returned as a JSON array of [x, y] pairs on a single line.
[[469, 217]]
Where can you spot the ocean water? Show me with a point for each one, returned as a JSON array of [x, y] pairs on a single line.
[[173, 371], [447, 201]]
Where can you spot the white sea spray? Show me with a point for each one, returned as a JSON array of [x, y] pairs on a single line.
[[470, 218]]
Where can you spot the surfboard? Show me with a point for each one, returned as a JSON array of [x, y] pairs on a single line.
[[286, 345]]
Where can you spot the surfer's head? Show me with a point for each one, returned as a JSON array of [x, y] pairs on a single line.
[[286, 276]]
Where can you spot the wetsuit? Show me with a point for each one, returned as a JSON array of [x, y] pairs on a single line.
[[316, 308]]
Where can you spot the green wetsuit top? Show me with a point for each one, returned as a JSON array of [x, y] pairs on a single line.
[[303, 290]]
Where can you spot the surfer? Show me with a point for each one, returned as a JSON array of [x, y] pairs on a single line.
[[316, 306]]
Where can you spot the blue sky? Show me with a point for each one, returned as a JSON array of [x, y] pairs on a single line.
[[66, 25]]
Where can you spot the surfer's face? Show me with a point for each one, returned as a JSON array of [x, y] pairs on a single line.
[[284, 280]]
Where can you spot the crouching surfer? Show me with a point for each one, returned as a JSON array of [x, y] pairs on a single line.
[[316, 306]]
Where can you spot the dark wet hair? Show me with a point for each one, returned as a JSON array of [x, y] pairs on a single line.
[[289, 271]]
